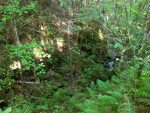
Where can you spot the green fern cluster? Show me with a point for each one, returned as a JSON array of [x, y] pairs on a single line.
[[102, 97]]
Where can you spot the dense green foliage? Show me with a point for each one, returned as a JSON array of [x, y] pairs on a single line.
[[74, 56]]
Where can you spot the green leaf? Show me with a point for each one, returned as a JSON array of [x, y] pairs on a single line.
[[1, 101], [8, 110], [25, 11], [42, 107], [101, 85]]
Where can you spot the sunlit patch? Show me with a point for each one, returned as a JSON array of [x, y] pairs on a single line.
[[100, 35], [44, 33], [60, 44], [42, 42], [42, 28], [52, 42], [15, 65], [64, 23], [58, 23], [46, 55], [37, 52], [123, 51], [70, 32]]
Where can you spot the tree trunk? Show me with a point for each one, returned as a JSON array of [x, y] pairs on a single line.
[[16, 38], [17, 43], [145, 41], [147, 29]]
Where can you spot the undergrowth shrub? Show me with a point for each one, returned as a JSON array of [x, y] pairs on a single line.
[[8, 110], [103, 97], [19, 104]]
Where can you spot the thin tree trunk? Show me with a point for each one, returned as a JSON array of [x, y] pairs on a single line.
[[73, 7], [145, 41], [70, 54], [17, 43], [16, 38], [127, 25], [147, 29]]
